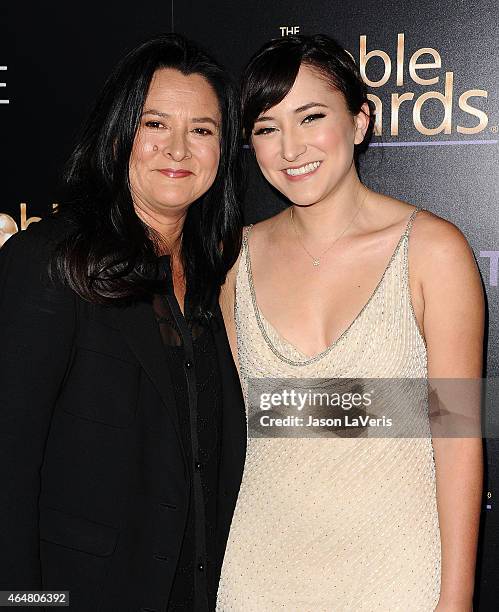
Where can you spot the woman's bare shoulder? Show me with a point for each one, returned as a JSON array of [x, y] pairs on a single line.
[[436, 245], [440, 253], [384, 215], [429, 234], [433, 236], [262, 232]]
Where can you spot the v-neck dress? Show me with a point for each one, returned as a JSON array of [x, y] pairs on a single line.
[[335, 524]]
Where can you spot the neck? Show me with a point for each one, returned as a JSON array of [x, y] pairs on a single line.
[[323, 219], [167, 229]]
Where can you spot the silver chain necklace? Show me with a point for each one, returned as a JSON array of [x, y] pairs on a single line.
[[316, 261]]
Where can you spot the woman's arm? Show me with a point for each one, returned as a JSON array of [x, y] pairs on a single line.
[[227, 303], [453, 328], [37, 322]]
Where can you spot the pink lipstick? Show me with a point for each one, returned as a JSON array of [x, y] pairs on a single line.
[[175, 173]]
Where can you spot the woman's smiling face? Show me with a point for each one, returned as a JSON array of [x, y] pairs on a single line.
[[176, 151], [305, 144]]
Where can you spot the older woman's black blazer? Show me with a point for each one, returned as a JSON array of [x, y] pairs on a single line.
[[94, 484]]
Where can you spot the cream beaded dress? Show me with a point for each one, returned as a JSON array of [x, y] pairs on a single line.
[[336, 524]]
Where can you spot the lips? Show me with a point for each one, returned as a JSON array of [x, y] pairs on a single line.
[[175, 172]]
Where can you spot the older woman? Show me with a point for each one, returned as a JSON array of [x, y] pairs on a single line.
[[122, 430]]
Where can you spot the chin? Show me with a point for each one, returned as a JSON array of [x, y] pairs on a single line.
[[301, 199], [174, 199]]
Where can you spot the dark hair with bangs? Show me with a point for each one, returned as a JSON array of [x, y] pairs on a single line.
[[110, 254], [271, 72]]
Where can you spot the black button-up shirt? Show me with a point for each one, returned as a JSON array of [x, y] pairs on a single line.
[[191, 357]]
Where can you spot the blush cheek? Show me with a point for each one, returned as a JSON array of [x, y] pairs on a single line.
[[137, 161], [148, 149], [327, 140], [338, 145], [269, 161], [147, 145]]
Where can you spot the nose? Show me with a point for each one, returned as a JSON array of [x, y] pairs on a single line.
[[177, 146], [292, 146]]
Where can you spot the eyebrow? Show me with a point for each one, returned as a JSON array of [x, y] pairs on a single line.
[[300, 109], [153, 111]]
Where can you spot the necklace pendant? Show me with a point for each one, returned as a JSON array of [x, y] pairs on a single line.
[[316, 263]]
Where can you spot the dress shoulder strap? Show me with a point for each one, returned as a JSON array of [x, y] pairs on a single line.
[[244, 255], [410, 222], [246, 232]]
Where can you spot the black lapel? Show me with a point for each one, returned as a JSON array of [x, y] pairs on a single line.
[[140, 328]]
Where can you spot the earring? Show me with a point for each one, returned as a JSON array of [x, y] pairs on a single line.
[[155, 148]]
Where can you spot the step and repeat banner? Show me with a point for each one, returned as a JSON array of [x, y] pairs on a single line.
[[431, 68]]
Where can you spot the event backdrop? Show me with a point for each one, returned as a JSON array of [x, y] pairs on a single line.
[[431, 68]]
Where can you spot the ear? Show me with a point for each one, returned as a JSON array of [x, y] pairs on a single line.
[[361, 122]]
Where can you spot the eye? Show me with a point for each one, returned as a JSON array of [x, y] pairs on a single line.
[[202, 131], [155, 125], [264, 130], [310, 118]]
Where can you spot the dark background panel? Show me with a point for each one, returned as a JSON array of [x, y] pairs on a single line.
[[58, 56], [458, 182]]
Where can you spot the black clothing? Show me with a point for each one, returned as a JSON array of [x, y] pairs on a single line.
[[96, 475], [198, 396]]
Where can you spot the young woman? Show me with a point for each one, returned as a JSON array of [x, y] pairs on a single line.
[[350, 283]]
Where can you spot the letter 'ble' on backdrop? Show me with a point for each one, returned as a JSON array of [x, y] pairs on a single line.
[[431, 68]]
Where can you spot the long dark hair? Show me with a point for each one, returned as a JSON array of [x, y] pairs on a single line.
[[109, 255], [271, 72]]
